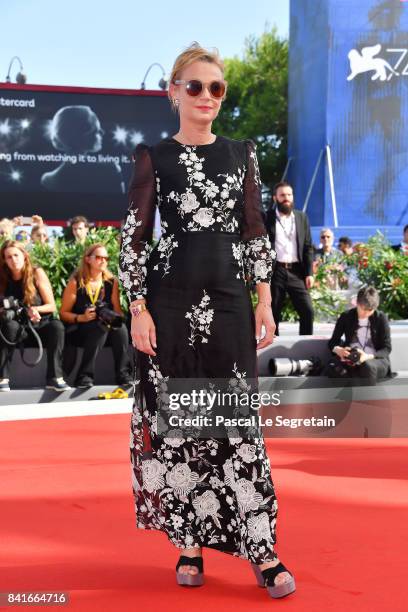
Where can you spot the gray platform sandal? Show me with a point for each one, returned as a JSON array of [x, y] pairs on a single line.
[[266, 578], [190, 579]]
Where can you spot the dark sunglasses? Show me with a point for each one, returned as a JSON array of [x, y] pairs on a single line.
[[195, 87]]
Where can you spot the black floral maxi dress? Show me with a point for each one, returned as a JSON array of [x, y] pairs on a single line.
[[216, 493]]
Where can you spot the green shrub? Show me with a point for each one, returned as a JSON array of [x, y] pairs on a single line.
[[376, 263]]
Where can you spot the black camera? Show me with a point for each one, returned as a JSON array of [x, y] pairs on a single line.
[[13, 309], [108, 317], [354, 356], [338, 368]]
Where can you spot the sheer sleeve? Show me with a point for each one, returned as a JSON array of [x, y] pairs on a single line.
[[257, 251], [137, 232]]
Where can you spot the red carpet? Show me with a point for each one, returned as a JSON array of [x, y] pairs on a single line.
[[67, 524]]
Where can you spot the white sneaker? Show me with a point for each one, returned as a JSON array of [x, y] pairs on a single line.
[[4, 384], [58, 384]]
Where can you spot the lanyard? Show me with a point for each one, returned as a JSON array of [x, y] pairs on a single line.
[[366, 336], [93, 295], [287, 234]]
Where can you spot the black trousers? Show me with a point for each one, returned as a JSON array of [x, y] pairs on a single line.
[[368, 373], [292, 282], [51, 332], [91, 337]]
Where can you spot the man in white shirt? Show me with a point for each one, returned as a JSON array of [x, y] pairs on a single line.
[[290, 237]]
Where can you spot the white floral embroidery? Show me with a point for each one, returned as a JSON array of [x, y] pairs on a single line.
[[132, 266], [200, 319], [247, 452], [221, 209], [238, 253], [206, 505], [233, 435], [247, 496], [162, 397], [175, 439], [181, 479], [259, 528], [177, 521], [153, 471], [261, 269], [229, 475], [257, 174], [226, 204], [258, 259], [204, 217], [233, 182], [188, 202], [165, 247], [238, 384], [241, 388]]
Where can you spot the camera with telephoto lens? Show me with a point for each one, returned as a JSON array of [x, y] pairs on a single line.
[[284, 366], [107, 316], [13, 309]]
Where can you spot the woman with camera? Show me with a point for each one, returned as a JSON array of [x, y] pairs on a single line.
[[363, 357], [91, 308], [32, 306]]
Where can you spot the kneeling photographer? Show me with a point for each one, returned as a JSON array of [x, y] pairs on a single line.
[[363, 355], [26, 307], [91, 309]]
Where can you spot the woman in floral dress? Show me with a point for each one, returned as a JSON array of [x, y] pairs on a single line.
[[192, 318]]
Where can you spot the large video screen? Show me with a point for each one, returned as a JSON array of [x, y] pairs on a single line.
[[67, 151]]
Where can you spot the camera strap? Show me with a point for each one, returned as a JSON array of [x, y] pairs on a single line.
[[20, 337], [19, 342], [40, 347]]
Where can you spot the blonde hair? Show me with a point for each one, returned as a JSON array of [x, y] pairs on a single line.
[[194, 53], [83, 272]]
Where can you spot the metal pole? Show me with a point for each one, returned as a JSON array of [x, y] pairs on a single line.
[[331, 181], [312, 182], [286, 168]]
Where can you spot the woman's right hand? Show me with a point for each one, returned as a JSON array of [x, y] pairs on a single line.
[[88, 315], [143, 332], [342, 352]]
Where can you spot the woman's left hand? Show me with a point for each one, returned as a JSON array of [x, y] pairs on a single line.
[[363, 357], [34, 315], [264, 316]]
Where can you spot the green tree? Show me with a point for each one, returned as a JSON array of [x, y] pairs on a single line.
[[256, 103]]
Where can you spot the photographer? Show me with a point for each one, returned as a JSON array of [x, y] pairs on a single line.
[[91, 308], [363, 356], [31, 287]]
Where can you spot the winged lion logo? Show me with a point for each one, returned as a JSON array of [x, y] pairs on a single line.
[[367, 62]]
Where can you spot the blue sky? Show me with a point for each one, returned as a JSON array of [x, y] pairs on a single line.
[[110, 43]]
